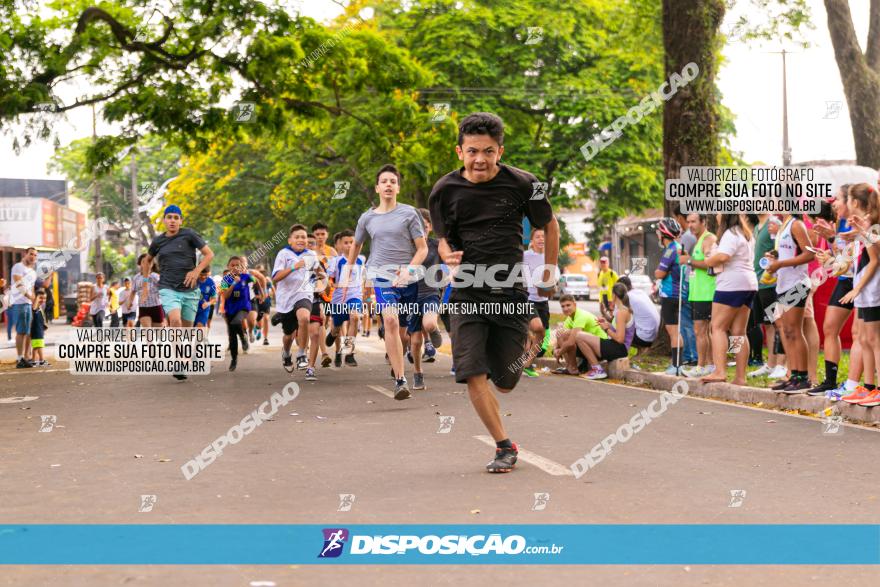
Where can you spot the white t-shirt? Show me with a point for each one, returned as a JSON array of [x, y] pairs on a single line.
[[356, 289], [739, 271], [24, 286], [100, 302], [298, 284], [646, 315], [533, 260], [124, 295]]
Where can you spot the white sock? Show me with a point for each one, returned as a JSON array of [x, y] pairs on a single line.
[[850, 385]]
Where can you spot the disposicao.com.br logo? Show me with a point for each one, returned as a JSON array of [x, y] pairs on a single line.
[[452, 544]]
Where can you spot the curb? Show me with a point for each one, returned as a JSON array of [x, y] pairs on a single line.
[[767, 398]]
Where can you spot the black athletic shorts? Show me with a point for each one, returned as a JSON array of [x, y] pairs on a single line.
[[289, 323], [869, 314], [800, 300], [317, 308], [487, 343], [611, 350], [701, 310], [764, 300], [641, 344], [669, 311], [263, 308], [843, 287], [542, 311]]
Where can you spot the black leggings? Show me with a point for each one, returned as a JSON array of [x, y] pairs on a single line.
[[234, 330], [98, 319], [755, 332]]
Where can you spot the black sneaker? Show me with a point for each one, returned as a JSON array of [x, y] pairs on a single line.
[[265, 342], [401, 390], [22, 364], [782, 385], [505, 459], [337, 360], [796, 386], [330, 339], [436, 337], [276, 319], [326, 360], [349, 360], [287, 363], [418, 381], [822, 388], [233, 365], [179, 376], [244, 344], [301, 362]]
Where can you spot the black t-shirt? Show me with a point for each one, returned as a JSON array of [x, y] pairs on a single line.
[[484, 220], [431, 260], [38, 324], [177, 257]]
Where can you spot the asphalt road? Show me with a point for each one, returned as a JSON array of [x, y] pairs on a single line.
[[117, 438]]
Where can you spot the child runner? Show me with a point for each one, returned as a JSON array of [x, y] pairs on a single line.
[[237, 301], [208, 290], [128, 302], [146, 284], [477, 212], [533, 258], [348, 308], [99, 301], [398, 247]]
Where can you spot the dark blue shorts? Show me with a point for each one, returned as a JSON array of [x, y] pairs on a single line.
[[430, 303], [339, 318], [389, 296], [734, 299]]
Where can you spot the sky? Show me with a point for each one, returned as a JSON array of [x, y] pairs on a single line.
[[750, 81]]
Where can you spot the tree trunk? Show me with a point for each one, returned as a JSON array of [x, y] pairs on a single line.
[[690, 117], [860, 74]]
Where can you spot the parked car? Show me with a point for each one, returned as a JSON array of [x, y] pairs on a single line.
[[574, 285]]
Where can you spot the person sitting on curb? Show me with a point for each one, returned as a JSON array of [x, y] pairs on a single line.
[[576, 321]]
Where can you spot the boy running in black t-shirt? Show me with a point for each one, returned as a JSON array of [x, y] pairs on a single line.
[[477, 212]]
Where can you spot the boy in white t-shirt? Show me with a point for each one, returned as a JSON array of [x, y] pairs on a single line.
[[293, 293]]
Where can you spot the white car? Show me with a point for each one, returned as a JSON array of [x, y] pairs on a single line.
[[574, 285]]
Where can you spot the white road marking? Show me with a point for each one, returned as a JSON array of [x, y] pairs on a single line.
[[35, 370], [18, 400], [381, 390], [546, 465]]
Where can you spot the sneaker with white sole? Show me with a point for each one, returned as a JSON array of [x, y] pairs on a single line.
[[310, 374], [778, 372], [834, 395], [347, 346], [764, 370], [597, 373]]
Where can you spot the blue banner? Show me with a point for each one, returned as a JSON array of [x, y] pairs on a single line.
[[136, 544]]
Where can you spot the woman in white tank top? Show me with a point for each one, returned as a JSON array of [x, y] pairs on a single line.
[[792, 289]]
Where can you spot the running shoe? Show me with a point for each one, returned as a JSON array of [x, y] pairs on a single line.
[[301, 362], [258, 333], [731, 363], [337, 360], [244, 344], [822, 389], [233, 364], [505, 460], [597, 373], [22, 364], [42, 364], [409, 356], [452, 371], [691, 363], [287, 362], [330, 339], [265, 342], [778, 372], [755, 363], [796, 386], [350, 361], [251, 335], [430, 352], [436, 337], [872, 400], [763, 371], [326, 360], [347, 345], [527, 371], [179, 376], [310, 374], [418, 381], [275, 320], [781, 385], [834, 395], [672, 370], [401, 390], [858, 395], [367, 334], [693, 371]]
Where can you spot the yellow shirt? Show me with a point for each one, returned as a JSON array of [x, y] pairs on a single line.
[[114, 300], [607, 279]]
